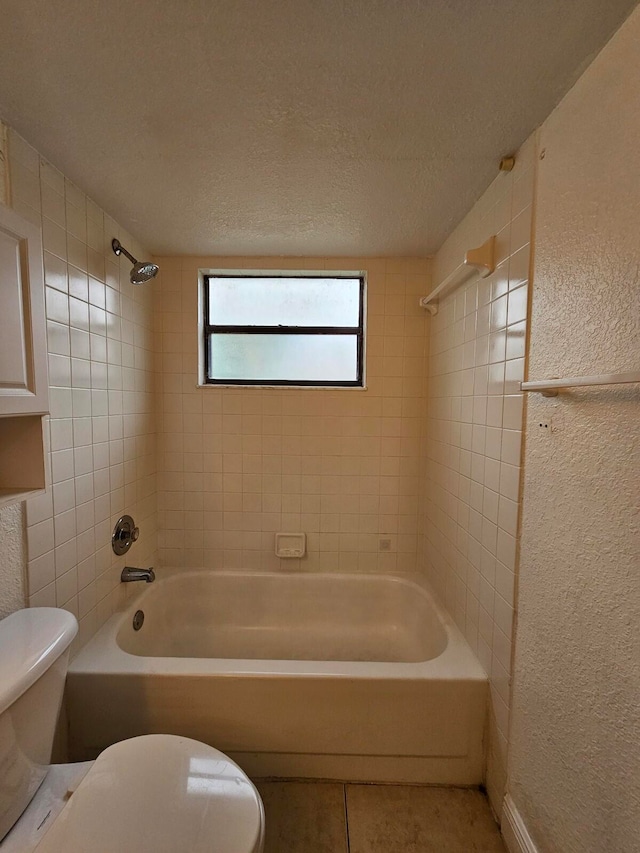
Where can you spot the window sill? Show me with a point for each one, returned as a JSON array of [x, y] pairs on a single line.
[[284, 387]]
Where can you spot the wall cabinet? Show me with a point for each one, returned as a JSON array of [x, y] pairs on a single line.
[[24, 389]]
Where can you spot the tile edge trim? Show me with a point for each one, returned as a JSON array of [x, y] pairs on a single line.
[[514, 830]]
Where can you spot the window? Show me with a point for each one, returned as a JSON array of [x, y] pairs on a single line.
[[266, 329]]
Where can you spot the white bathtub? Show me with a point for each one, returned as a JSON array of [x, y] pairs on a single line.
[[354, 677]]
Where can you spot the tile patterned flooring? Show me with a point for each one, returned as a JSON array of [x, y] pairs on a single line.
[[329, 817]]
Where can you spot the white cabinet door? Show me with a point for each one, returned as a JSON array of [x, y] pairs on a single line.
[[23, 345]]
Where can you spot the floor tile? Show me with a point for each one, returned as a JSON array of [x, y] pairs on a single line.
[[412, 819], [304, 817]]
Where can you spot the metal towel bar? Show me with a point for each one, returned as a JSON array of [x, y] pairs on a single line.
[[550, 387], [480, 260]]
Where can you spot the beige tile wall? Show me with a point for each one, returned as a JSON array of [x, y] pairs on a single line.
[[470, 505], [238, 465], [101, 429]]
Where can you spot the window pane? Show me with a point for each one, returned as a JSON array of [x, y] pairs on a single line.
[[310, 358], [284, 301]]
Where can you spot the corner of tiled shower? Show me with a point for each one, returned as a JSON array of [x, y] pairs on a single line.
[[470, 501]]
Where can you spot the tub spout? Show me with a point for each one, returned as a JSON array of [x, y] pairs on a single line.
[[130, 574]]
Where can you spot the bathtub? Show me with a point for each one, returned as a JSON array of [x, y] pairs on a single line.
[[335, 676]]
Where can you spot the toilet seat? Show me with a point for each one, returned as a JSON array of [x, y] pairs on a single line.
[[161, 794]]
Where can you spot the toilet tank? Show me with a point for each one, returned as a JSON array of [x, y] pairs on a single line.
[[34, 652]]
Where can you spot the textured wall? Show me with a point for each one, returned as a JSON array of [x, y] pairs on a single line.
[[237, 465], [4, 165], [12, 560], [574, 764], [471, 488]]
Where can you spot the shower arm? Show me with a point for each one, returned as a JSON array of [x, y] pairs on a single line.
[[118, 248]]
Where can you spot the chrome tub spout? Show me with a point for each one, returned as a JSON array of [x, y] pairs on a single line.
[[130, 574]]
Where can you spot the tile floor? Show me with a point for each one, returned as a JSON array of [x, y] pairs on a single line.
[[328, 817]]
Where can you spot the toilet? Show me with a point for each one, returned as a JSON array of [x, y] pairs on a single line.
[[152, 794]]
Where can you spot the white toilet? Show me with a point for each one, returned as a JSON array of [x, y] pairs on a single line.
[[151, 794]]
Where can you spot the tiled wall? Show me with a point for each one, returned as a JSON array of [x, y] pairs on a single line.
[[471, 498], [13, 547], [238, 465], [101, 429]]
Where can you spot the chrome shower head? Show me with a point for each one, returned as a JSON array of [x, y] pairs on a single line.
[[142, 270]]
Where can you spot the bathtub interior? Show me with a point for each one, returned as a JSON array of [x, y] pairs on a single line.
[[274, 617]]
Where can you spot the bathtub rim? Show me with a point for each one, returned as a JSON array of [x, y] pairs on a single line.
[[102, 654]]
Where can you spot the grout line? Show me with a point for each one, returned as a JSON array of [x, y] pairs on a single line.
[[346, 818]]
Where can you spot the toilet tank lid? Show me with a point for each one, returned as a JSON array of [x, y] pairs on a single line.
[[30, 641]]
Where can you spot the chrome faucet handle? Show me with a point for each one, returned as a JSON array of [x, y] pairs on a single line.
[[129, 574], [125, 533]]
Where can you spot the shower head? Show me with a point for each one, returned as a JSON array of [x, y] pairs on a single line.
[[142, 270]]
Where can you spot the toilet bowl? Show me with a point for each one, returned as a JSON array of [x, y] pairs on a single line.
[[151, 794]]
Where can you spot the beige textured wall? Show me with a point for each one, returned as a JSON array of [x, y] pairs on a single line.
[[4, 165], [101, 429], [471, 494], [12, 560], [574, 768], [238, 465]]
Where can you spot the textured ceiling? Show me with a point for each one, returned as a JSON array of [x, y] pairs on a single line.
[[294, 127]]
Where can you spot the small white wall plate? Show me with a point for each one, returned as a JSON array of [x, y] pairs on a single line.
[[291, 545]]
